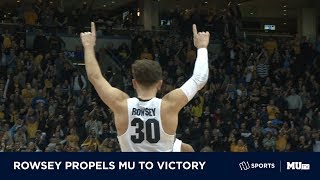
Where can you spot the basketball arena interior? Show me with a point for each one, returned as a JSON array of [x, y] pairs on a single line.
[[262, 94]]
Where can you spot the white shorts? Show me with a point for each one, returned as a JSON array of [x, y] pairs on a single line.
[[177, 145]]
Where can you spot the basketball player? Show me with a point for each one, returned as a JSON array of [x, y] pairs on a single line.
[[146, 123]]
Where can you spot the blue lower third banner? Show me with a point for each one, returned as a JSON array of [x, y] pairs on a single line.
[[160, 165]]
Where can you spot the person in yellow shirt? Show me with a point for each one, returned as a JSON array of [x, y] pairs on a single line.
[[30, 17], [37, 60], [7, 43], [73, 138], [281, 142], [32, 123], [2, 112], [240, 147], [92, 141], [32, 127], [270, 45], [28, 93], [197, 109], [272, 110]]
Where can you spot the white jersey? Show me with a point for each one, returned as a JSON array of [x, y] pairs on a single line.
[[145, 132]]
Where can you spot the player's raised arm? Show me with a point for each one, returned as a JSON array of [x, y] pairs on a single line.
[[180, 97], [111, 96]]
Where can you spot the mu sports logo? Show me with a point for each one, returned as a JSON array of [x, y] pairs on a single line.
[[245, 165], [297, 166]]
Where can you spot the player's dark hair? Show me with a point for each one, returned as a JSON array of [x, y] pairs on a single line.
[[147, 72]]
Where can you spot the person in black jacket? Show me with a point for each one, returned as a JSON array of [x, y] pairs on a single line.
[[41, 43]]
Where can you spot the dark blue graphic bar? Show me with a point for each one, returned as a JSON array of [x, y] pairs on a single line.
[[160, 165]]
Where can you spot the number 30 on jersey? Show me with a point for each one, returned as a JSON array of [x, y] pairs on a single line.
[[152, 131]]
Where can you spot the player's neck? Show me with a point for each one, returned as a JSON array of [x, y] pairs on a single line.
[[146, 94]]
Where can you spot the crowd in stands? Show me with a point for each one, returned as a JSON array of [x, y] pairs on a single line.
[[53, 16], [224, 22], [46, 104], [262, 95]]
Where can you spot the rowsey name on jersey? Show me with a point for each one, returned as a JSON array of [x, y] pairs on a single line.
[[144, 112]]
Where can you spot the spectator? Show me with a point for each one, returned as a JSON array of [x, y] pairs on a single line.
[[38, 7], [304, 144], [20, 137], [7, 41], [32, 147], [262, 69], [41, 43], [92, 142], [11, 62], [78, 83], [32, 123], [294, 101], [316, 142], [65, 89], [239, 147], [3, 63], [60, 67], [197, 108], [281, 142], [47, 16], [146, 54], [269, 143], [93, 126], [28, 94], [273, 111], [30, 16], [104, 146], [56, 43], [72, 138], [60, 19], [270, 129], [206, 149], [271, 45], [2, 113], [205, 139]]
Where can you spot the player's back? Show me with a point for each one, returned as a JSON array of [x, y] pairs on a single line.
[[145, 132]]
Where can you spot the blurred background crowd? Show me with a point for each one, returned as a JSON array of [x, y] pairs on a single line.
[[263, 95]]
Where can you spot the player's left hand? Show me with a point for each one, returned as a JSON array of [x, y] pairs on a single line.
[[200, 39]]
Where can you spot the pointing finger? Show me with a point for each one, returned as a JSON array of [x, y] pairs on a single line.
[[93, 28], [194, 29]]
